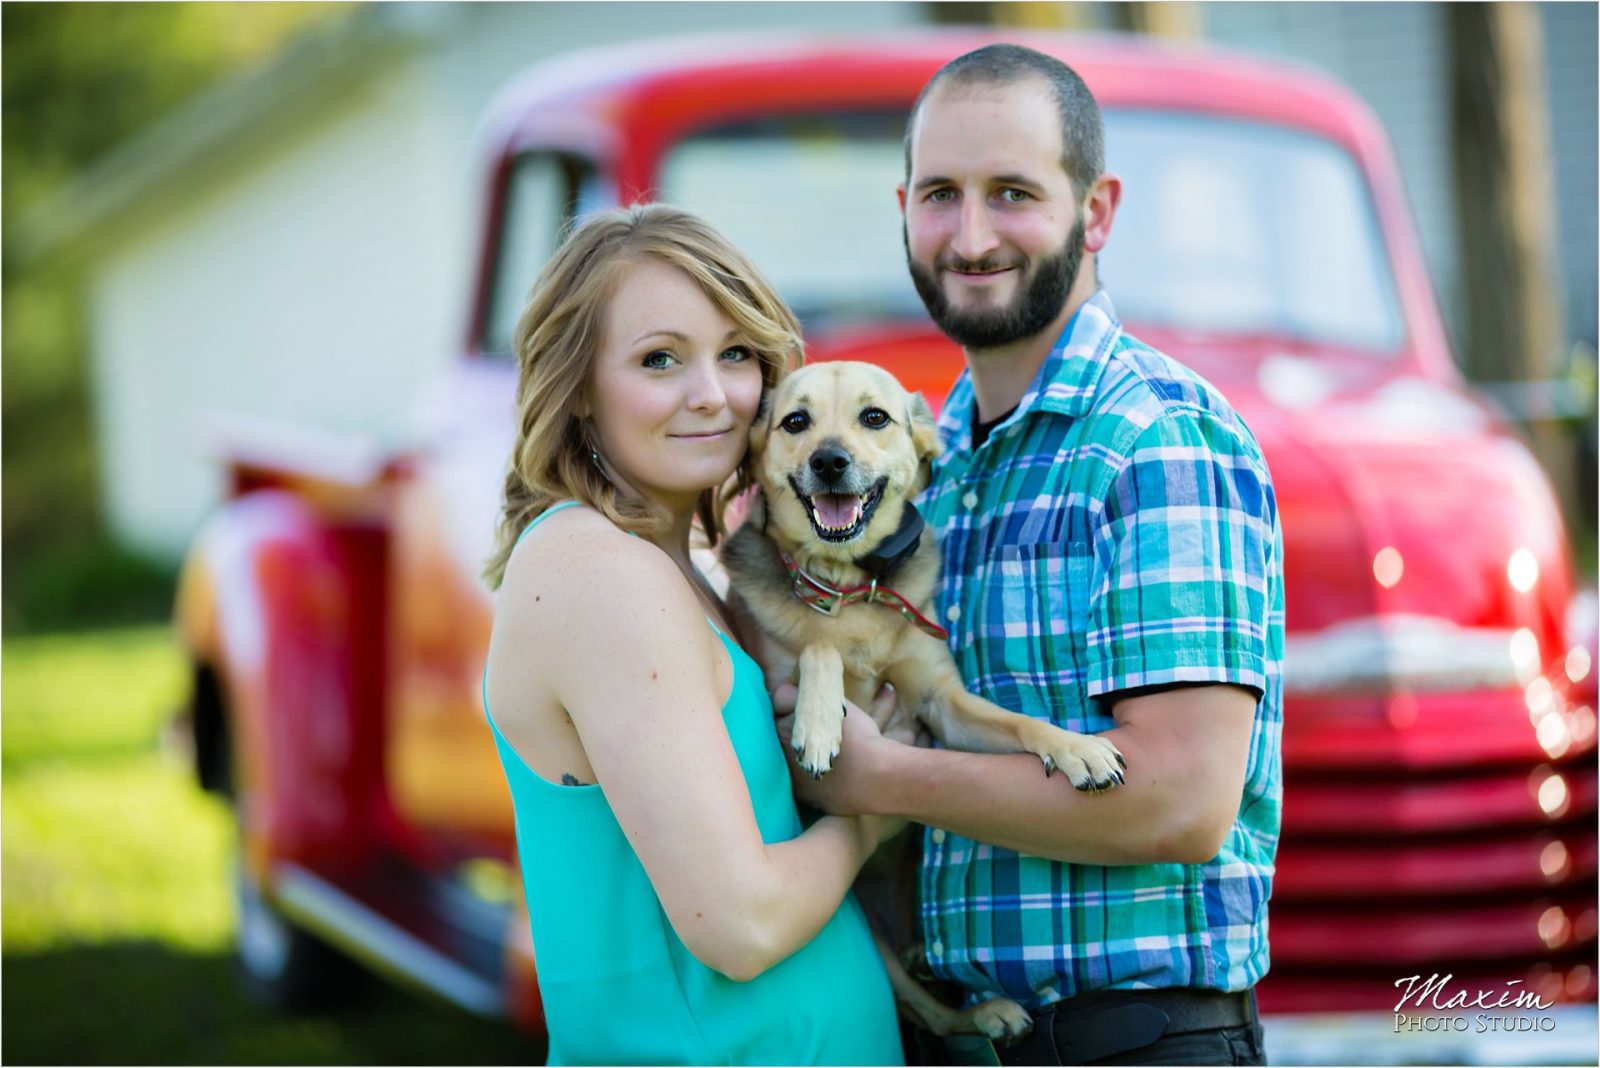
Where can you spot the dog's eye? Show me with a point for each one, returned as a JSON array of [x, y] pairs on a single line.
[[795, 422], [874, 418]]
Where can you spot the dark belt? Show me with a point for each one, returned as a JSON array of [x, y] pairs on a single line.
[[1086, 1028]]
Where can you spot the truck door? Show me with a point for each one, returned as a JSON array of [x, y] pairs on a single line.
[[443, 771]]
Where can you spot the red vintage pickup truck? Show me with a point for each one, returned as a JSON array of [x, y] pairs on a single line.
[[1439, 728]]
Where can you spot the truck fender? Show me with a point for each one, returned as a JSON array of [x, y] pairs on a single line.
[[268, 606]]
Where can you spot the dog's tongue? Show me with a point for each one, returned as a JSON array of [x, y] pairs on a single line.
[[837, 510]]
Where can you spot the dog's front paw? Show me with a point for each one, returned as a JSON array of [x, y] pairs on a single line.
[[1000, 1020], [1088, 761], [816, 741]]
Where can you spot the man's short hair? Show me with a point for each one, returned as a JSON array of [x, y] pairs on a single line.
[[1083, 138]]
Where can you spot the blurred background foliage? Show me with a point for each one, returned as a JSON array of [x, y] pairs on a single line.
[[66, 98]]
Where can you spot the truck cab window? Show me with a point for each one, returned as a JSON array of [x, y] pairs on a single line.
[[810, 199], [1233, 226], [543, 193]]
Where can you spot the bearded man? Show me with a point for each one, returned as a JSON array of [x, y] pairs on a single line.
[[1114, 565]]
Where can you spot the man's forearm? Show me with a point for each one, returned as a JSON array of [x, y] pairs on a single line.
[[1006, 799]]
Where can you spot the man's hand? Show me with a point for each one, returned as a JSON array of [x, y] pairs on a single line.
[[845, 790]]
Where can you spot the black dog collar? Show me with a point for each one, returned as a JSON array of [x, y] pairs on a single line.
[[896, 548]]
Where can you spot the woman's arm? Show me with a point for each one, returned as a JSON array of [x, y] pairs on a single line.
[[615, 635]]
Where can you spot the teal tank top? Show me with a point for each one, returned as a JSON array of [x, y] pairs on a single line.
[[618, 985]]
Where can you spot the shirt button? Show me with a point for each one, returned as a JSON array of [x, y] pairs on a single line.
[[938, 836], [937, 949], [969, 499], [953, 613]]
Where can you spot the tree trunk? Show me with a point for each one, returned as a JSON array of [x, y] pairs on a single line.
[[1159, 18], [1031, 16], [1505, 199]]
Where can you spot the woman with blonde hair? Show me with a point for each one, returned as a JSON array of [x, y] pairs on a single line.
[[679, 912]]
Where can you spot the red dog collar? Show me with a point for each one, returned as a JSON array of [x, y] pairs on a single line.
[[817, 594]]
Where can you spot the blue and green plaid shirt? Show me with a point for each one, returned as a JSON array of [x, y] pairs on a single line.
[[1117, 530]]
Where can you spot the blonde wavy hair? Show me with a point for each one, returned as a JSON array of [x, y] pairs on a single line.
[[556, 342]]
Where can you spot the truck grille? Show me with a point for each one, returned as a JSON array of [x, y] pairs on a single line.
[[1433, 835]]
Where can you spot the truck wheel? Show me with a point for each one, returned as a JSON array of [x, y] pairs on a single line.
[[285, 967]]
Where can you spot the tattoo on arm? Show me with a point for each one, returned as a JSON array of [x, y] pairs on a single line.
[[569, 779]]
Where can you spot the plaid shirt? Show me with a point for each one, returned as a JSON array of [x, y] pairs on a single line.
[[1117, 530]]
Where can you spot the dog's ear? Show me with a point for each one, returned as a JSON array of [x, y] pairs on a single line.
[[756, 511], [924, 438], [761, 426]]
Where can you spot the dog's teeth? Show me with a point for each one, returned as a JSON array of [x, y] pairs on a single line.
[[844, 513]]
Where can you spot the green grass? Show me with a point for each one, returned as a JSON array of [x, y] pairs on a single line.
[[115, 914], [73, 696], [75, 579]]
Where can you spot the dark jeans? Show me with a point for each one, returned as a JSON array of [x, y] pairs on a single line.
[[1241, 1044], [1231, 1045]]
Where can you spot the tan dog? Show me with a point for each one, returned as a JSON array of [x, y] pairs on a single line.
[[833, 576]]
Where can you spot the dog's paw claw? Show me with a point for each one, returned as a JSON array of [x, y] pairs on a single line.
[[1001, 1019], [1092, 764], [817, 769], [815, 750]]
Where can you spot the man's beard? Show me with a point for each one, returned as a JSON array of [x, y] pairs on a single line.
[[1041, 295]]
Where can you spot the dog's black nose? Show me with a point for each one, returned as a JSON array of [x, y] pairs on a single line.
[[829, 462]]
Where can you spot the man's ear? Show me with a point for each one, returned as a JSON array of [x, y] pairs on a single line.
[[924, 438], [1100, 211]]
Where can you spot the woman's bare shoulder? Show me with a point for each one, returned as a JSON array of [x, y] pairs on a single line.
[[580, 589], [578, 551]]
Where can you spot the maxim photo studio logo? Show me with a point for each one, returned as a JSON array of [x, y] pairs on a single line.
[[1432, 1004]]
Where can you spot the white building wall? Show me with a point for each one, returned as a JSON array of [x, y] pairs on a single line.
[[300, 288], [1570, 35]]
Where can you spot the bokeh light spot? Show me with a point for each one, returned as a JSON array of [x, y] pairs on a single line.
[[1541, 698], [1522, 570], [1388, 566], [1525, 655], [1578, 663], [1553, 736], [1553, 860], [1553, 796], [1554, 927]]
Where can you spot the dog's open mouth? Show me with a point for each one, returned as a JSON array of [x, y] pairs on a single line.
[[841, 516]]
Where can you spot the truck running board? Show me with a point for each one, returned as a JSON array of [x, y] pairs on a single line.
[[365, 934]]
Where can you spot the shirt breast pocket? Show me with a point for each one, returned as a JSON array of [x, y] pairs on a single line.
[[1040, 596]]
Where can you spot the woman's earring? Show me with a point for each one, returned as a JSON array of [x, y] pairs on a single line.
[[594, 451]]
